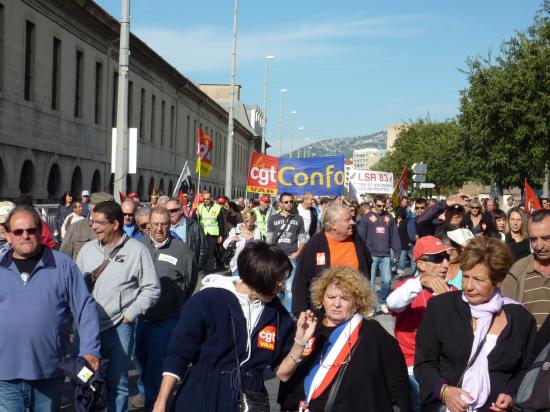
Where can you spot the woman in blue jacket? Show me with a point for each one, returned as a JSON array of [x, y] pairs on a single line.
[[229, 332]]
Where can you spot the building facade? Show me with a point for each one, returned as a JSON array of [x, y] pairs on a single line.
[[364, 159], [58, 94]]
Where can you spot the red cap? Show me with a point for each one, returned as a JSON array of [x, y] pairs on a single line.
[[428, 245], [221, 201], [133, 195], [264, 198]]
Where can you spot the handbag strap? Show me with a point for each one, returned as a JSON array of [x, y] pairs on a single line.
[[99, 270], [478, 350], [283, 230], [336, 385]]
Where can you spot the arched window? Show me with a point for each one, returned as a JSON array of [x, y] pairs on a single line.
[[76, 181], [26, 180], [140, 187], [96, 182], [54, 182]]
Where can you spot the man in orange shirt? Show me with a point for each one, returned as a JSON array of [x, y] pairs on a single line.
[[336, 245]]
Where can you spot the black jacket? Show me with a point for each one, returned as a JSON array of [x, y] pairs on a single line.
[[308, 269], [196, 240], [444, 342], [375, 379]]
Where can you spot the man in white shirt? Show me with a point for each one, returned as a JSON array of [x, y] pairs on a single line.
[[308, 213]]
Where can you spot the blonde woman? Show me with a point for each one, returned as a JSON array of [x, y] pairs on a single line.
[[241, 235], [350, 363], [516, 236]]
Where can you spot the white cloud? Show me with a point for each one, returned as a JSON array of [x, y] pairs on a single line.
[[208, 48]]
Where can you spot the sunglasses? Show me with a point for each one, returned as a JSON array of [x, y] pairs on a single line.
[[31, 231], [174, 210], [143, 226], [128, 214], [380, 205], [474, 207], [440, 257], [286, 202]]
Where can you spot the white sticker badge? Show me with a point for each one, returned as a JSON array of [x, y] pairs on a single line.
[[169, 259]]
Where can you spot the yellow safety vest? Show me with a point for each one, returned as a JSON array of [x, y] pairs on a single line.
[[209, 219], [261, 220]]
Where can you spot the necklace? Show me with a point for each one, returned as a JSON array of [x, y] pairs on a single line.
[[474, 324]]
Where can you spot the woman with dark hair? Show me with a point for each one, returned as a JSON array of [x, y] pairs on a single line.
[[517, 237], [229, 332], [233, 216], [65, 209], [473, 346], [499, 223]]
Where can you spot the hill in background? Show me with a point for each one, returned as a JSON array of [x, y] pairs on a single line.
[[343, 145]]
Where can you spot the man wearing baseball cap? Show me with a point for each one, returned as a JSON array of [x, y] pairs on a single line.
[[262, 212], [85, 196], [410, 297]]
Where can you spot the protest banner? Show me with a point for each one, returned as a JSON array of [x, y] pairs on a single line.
[[369, 181], [262, 174], [322, 176]]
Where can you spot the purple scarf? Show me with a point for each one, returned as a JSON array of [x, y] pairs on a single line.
[[476, 379]]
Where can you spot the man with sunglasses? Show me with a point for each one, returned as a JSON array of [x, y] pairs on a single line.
[[410, 297], [379, 231], [41, 292], [286, 230], [189, 231], [130, 227]]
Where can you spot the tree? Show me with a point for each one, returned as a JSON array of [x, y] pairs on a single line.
[[436, 143], [505, 112]]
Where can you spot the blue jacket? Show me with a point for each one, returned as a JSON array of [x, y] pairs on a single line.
[[35, 318], [379, 233], [203, 337]]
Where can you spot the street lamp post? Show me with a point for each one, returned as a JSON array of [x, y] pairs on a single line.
[[264, 131], [283, 91], [292, 120], [300, 129], [230, 126]]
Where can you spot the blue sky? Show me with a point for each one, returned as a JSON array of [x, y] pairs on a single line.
[[351, 67]]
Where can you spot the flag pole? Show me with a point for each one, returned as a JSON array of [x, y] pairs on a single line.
[[180, 179]]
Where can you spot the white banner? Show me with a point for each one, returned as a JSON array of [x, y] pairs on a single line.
[[369, 181]]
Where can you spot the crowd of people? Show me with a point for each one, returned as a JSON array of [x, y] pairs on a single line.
[[203, 297]]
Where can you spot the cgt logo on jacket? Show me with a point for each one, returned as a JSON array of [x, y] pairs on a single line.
[[266, 338]]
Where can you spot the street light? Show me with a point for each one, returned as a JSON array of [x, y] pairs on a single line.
[[292, 120], [283, 91], [230, 125], [264, 132], [300, 129]]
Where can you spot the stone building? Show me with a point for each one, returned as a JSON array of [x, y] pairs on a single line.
[[58, 93], [364, 159]]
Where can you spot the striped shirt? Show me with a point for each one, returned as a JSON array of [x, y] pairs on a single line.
[[536, 296]]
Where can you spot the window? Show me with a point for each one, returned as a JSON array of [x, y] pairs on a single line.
[[30, 42], [162, 121], [130, 104], [141, 113], [56, 71], [172, 125], [97, 93], [79, 82], [114, 103], [153, 108], [1, 44], [188, 136]]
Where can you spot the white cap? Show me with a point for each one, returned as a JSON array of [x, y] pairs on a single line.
[[460, 236], [85, 193], [5, 209]]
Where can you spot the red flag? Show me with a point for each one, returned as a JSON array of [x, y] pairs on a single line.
[[195, 203], [401, 187], [182, 198], [122, 196], [531, 199], [204, 153]]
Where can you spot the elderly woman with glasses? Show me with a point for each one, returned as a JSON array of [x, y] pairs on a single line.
[[350, 363], [473, 346]]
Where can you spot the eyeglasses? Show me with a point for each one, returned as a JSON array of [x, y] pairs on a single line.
[[100, 222], [155, 225], [174, 210], [31, 231], [440, 257]]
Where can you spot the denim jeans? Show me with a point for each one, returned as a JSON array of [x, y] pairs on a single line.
[[151, 342], [288, 287], [403, 262], [382, 263], [43, 395], [116, 345], [415, 393]]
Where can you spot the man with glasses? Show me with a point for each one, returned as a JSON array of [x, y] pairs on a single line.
[[175, 267], [189, 231], [286, 230], [81, 232], [211, 219], [410, 297], [41, 292], [379, 231], [130, 227], [125, 285], [142, 220]]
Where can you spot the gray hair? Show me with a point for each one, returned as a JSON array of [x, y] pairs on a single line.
[[142, 212], [332, 214], [159, 210], [163, 199]]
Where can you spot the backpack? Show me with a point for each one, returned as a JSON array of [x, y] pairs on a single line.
[[534, 392]]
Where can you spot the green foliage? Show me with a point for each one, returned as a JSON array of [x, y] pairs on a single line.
[[435, 143], [505, 112]]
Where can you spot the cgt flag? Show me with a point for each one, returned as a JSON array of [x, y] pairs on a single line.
[[531, 199], [204, 154], [401, 187]]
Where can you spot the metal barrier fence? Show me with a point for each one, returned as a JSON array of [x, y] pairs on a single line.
[[48, 212]]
